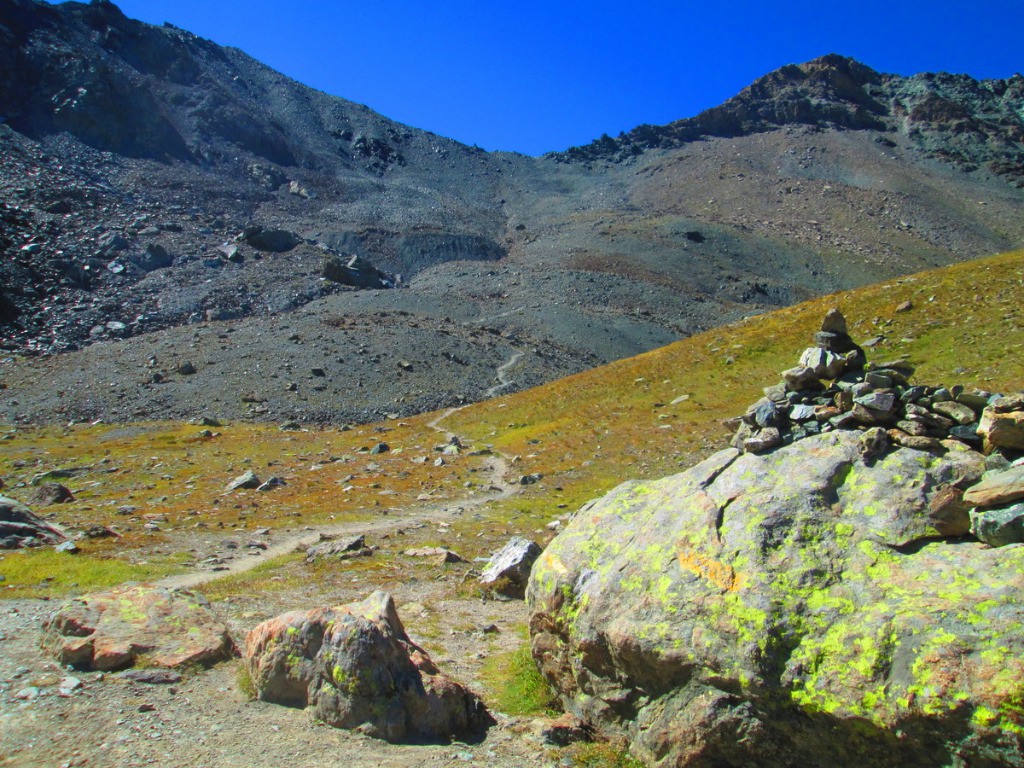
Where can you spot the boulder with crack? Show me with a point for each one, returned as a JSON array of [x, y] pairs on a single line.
[[794, 608]]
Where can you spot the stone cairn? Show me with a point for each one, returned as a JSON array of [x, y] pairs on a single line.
[[834, 387]]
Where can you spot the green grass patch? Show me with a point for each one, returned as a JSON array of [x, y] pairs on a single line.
[[600, 754], [46, 573], [516, 686]]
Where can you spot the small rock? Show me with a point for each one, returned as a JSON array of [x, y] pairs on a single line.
[[509, 568], [186, 369], [999, 527], [247, 479], [68, 547]]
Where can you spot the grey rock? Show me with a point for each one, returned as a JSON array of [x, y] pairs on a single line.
[[734, 598], [999, 527], [247, 479], [509, 568], [342, 549]]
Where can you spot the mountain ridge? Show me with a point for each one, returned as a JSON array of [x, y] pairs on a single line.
[[567, 262]]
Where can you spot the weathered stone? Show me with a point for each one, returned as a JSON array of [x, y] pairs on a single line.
[[115, 629], [834, 322], [380, 448], [1002, 429], [947, 512], [51, 493], [958, 412], [803, 412], [21, 527], [871, 417], [968, 434], [754, 610], [801, 377], [999, 527], [247, 479], [440, 554], [765, 413], [275, 240], [880, 400], [354, 666], [763, 441], [509, 567], [917, 442], [341, 549], [878, 380], [997, 488]]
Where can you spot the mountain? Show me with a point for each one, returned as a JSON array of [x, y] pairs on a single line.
[[170, 205]]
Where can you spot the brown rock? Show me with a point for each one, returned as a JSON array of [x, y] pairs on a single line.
[[997, 488], [51, 493], [1002, 429], [834, 322], [355, 667], [947, 512], [917, 442], [114, 629]]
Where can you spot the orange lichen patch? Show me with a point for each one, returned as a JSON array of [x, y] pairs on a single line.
[[718, 573]]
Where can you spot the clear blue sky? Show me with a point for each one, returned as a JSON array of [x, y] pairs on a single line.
[[534, 76]]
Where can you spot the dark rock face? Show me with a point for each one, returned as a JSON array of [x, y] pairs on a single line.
[[355, 667], [779, 608], [20, 527]]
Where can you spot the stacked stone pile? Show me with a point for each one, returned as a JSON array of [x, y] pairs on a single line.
[[834, 387]]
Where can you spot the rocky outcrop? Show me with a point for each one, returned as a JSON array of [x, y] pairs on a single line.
[[356, 272], [793, 608], [834, 387], [119, 628], [20, 527], [355, 667]]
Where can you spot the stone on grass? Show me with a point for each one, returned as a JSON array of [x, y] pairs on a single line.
[[509, 567], [247, 479], [340, 549], [355, 667], [51, 493], [115, 629]]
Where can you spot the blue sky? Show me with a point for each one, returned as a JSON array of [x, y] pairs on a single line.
[[537, 76]]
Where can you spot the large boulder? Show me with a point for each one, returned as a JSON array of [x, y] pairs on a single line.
[[137, 624], [355, 667], [791, 609], [21, 527]]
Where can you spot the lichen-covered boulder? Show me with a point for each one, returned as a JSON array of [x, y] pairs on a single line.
[[791, 609], [115, 629], [355, 667]]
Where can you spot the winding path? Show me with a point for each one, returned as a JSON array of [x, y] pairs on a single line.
[[498, 487]]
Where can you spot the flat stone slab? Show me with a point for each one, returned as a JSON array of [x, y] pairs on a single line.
[[129, 625], [997, 488]]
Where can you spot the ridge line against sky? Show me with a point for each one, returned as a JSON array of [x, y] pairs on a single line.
[[539, 76]]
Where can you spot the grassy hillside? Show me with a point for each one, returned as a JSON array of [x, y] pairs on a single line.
[[642, 417], [651, 414]]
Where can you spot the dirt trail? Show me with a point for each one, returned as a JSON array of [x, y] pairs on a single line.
[[498, 486]]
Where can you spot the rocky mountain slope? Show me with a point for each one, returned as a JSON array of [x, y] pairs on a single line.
[[139, 164]]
